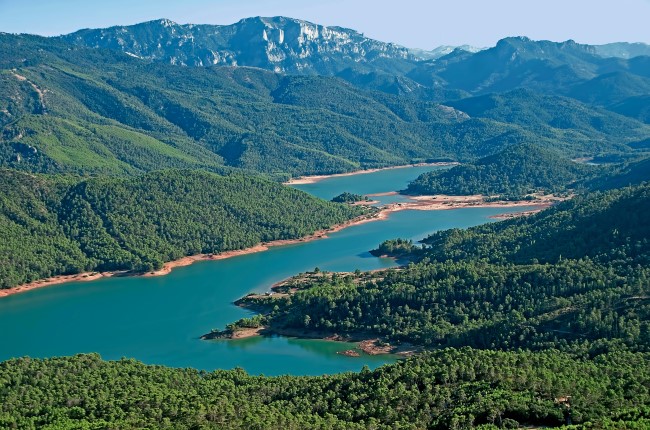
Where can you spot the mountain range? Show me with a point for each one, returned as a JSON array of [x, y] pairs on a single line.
[[293, 46], [288, 97], [279, 44]]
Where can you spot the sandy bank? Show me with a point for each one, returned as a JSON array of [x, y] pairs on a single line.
[[315, 178], [242, 333], [389, 193], [246, 333], [443, 202]]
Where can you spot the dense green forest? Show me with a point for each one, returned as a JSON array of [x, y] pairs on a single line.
[[65, 225], [346, 197], [609, 227], [515, 172], [396, 248], [523, 169], [447, 389], [574, 277]]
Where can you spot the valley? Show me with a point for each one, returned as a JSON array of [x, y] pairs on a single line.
[[203, 294], [281, 224]]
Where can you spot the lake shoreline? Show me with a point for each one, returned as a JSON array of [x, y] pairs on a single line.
[[432, 203], [312, 179], [369, 343], [188, 260]]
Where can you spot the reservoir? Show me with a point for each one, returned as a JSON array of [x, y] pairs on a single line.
[[159, 320]]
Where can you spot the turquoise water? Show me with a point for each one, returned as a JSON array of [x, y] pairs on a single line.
[[159, 320], [369, 183]]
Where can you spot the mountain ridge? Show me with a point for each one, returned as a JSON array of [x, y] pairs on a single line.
[[279, 44], [298, 47]]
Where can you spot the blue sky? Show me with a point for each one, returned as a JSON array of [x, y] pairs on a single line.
[[413, 23]]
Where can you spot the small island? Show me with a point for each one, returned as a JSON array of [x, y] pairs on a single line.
[[350, 198], [396, 248]]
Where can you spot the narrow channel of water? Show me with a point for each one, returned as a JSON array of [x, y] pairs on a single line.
[[159, 320]]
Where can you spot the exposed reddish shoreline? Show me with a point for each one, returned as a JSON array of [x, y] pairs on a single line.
[[316, 178], [186, 261], [417, 203]]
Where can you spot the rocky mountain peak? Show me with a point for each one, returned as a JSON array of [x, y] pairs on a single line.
[[277, 43], [167, 22]]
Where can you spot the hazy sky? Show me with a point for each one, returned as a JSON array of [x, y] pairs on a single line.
[[412, 23]]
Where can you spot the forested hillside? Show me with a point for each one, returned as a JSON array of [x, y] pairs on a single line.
[[637, 107], [560, 118], [515, 172], [65, 225], [573, 277], [610, 227], [83, 110], [73, 109], [449, 389]]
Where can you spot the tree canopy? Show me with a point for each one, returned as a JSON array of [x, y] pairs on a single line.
[[65, 225]]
